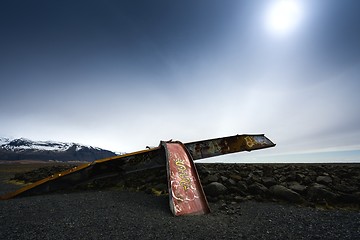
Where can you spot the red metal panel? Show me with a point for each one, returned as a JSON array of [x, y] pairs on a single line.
[[185, 191]]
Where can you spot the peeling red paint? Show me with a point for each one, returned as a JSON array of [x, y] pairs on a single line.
[[185, 191]]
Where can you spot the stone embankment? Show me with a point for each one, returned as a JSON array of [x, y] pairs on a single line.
[[328, 185], [308, 184]]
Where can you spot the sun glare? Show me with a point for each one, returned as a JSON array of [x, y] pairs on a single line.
[[283, 16]]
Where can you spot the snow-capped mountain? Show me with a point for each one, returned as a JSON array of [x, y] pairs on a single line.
[[4, 140], [25, 149]]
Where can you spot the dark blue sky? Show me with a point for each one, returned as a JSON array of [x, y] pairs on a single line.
[[125, 74], [120, 34]]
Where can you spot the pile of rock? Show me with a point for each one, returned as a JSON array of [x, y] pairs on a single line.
[[307, 184], [326, 184]]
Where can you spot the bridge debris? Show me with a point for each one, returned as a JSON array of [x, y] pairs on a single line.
[[185, 190]]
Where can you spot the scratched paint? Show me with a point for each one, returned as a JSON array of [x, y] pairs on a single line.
[[232, 144], [185, 191]]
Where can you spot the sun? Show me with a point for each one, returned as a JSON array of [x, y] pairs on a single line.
[[283, 16]]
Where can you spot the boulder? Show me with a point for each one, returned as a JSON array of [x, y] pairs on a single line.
[[231, 182], [258, 188], [284, 193], [320, 193], [242, 186], [223, 178], [210, 179], [307, 180], [269, 181], [300, 177], [235, 177], [235, 190], [202, 169], [324, 180], [258, 173], [239, 199], [215, 189], [349, 198], [295, 186], [344, 187]]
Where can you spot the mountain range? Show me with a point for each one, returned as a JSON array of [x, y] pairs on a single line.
[[26, 149]]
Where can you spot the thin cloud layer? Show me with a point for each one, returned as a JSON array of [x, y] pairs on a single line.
[[124, 75]]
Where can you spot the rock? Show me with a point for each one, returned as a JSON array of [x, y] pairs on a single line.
[[269, 181], [202, 169], [258, 173], [267, 170], [258, 188], [215, 189], [231, 182], [349, 198], [343, 187], [239, 199], [312, 173], [319, 193], [285, 194], [300, 177], [324, 179], [223, 207], [212, 199], [343, 173], [307, 180], [235, 177], [295, 186], [210, 179], [235, 190], [223, 178], [242, 186], [291, 177], [252, 178], [282, 178]]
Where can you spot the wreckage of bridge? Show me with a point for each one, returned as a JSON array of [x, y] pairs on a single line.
[[186, 194]]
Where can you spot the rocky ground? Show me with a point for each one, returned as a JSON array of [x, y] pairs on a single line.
[[247, 202], [329, 185], [314, 185]]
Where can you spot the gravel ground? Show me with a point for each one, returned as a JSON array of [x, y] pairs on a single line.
[[114, 214], [136, 215]]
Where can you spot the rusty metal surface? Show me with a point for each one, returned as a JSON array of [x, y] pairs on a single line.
[[226, 145], [106, 167], [185, 191]]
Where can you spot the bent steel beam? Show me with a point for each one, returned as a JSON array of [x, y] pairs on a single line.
[[139, 161]]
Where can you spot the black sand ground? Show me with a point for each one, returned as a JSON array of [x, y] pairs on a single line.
[[113, 214]]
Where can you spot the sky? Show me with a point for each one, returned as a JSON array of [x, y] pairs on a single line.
[[122, 75]]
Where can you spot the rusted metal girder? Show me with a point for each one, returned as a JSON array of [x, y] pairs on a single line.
[[139, 161], [226, 145]]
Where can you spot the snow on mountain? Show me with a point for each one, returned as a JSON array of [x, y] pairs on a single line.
[[4, 141], [26, 144], [23, 148]]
